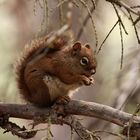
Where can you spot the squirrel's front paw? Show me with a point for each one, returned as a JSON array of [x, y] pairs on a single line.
[[88, 80]]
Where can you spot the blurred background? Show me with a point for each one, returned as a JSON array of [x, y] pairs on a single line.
[[23, 20]]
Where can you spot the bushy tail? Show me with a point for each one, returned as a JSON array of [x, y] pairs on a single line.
[[37, 47]]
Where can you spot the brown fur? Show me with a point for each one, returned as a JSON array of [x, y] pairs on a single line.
[[37, 70]]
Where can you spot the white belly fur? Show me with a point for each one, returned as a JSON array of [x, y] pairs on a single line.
[[58, 88]]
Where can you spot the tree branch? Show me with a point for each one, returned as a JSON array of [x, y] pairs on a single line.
[[74, 107]]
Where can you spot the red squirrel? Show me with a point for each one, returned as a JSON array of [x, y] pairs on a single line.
[[46, 72]]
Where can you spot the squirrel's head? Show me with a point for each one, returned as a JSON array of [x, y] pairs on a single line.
[[84, 62]]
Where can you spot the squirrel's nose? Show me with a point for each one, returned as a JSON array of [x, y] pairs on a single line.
[[93, 71]]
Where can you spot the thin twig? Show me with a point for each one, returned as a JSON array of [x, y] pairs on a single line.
[[58, 5], [84, 23], [136, 32], [39, 3], [93, 24], [56, 34], [129, 97], [122, 46], [75, 3], [72, 132], [137, 6], [49, 133], [107, 36], [69, 14], [122, 4], [15, 129], [111, 133], [61, 15], [44, 7], [82, 27], [46, 12], [121, 35], [94, 4], [136, 21], [34, 8], [92, 21], [120, 20], [82, 132]]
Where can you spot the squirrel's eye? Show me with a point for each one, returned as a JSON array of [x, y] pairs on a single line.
[[84, 61]]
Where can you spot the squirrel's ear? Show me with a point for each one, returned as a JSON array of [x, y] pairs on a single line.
[[76, 48], [87, 46]]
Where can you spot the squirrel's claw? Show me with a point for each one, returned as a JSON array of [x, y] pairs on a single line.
[[63, 100]]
